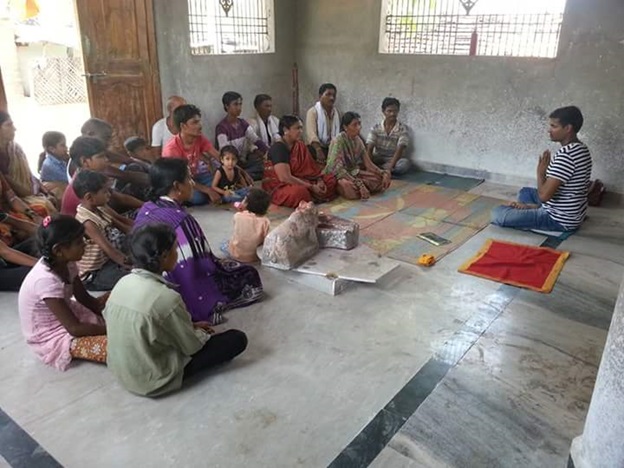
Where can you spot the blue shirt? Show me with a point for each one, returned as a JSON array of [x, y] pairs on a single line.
[[53, 169]]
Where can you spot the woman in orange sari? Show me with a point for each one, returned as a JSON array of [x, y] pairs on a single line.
[[291, 175], [14, 167]]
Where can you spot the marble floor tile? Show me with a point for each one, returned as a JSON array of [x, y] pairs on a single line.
[[599, 278], [609, 251], [471, 420], [370, 441], [437, 302], [390, 458], [601, 236], [512, 401], [548, 359], [525, 320], [203, 426], [603, 242], [585, 291], [19, 450], [606, 224]]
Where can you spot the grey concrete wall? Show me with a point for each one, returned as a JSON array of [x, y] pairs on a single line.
[[202, 80], [600, 444], [478, 115]]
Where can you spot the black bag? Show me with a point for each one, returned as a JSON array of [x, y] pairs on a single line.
[[596, 192]]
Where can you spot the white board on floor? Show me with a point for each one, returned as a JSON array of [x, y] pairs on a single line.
[[361, 264]]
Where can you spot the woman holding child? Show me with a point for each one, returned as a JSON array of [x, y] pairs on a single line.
[[208, 285], [291, 175], [357, 176], [14, 167]]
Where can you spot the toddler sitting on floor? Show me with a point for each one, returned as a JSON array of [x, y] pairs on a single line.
[[230, 181], [251, 227]]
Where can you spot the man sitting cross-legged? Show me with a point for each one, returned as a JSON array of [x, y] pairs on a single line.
[[191, 145], [388, 139], [559, 203]]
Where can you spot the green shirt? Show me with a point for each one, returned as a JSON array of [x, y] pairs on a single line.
[[150, 334]]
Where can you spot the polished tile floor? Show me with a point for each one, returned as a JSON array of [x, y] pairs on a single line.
[[430, 368]]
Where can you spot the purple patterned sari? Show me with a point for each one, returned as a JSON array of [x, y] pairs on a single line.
[[208, 285]]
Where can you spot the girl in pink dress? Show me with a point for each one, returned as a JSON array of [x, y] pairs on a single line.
[[55, 326]]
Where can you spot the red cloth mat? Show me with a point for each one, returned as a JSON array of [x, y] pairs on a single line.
[[525, 266]]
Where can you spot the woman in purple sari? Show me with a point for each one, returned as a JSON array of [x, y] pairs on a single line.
[[208, 285]]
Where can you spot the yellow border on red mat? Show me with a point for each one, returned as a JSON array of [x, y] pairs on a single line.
[[549, 282]]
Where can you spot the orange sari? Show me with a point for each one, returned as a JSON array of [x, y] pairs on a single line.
[[303, 166]]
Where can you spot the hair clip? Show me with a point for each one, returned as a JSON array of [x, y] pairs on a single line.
[[46, 221]]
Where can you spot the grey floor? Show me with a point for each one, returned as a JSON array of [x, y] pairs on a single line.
[[516, 372]]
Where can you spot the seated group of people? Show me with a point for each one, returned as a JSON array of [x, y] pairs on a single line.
[[334, 159], [156, 253], [124, 227]]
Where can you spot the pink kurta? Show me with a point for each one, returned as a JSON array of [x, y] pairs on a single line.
[[44, 333]]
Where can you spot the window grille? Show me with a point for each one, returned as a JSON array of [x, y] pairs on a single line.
[[231, 27], [529, 28]]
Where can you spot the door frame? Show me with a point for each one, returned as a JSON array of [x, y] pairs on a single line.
[[4, 106]]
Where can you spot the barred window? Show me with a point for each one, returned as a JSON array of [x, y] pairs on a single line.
[[220, 27], [527, 28]]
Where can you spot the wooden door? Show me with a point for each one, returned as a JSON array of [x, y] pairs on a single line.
[[3, 99], [121, 64]]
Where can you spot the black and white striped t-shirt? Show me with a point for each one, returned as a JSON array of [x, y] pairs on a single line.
[[571, 165]]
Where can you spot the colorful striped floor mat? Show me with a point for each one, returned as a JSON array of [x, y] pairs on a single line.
[[390, 222]]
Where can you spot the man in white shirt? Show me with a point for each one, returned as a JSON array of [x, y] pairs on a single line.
[[163, 130], [264, 123], [322, 123]]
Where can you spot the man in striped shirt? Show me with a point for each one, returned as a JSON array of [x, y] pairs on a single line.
[[388, 139], [559, 203]]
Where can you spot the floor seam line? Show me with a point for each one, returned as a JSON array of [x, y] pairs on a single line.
[[361, 451]]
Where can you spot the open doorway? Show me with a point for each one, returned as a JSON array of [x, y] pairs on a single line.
[[42, 71]]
